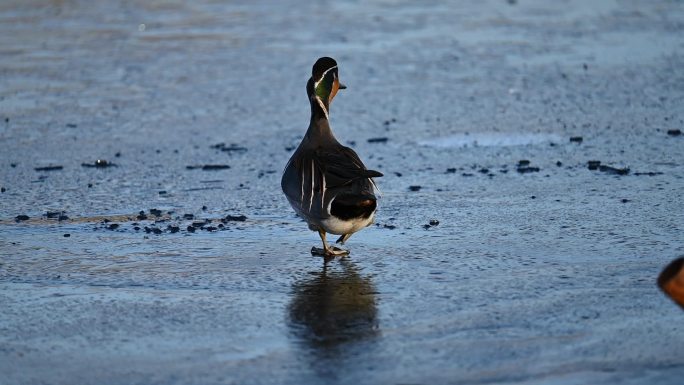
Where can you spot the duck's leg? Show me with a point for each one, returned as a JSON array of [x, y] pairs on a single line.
[[343, 238], [327, 251]]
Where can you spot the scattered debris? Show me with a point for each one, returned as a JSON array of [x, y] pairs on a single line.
[[234, 218], [48, 168], [209, 167], [528, 169], [378, 140], [593, 164], [614, 170], [99, 163], [229, 148]]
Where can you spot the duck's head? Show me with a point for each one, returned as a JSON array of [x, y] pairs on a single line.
[[324, 83]]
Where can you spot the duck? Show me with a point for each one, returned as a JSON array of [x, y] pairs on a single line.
[[325, 182]]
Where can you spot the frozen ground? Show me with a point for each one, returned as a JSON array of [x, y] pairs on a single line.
[[539, 277]]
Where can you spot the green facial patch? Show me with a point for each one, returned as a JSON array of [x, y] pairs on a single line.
[[324, 87]]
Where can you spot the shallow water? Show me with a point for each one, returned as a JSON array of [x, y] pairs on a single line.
[[542, 276]]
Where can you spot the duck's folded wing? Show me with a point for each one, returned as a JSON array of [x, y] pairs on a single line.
[[341, 166]]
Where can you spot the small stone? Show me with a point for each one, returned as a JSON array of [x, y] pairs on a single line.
[[156, 212], [2, 189], [188, 216], [415, 188], [434, 222], [593, 164], [21, 217], [523, 162], [378, 140], [559, 163], [190, 229], [235, 218], [576, 139], [113, 226], [67, 235], [624, 200], [675, 132]]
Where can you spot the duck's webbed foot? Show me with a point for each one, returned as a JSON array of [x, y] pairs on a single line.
[[328, 251]]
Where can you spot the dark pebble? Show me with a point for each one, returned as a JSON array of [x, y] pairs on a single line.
[[156, 212], [99, 163], [533, 197], [62, 217], [675, 132], [210, 228], [650, 173], [198, 224], [190, 229], [188, 216], [559, 163], [614, 170], [451, 170], [525, 170], [232, 148], [624, 200], [415, 188], [220, 226], [13, 165], [235, 218], [426, 227], [466, 174], [204, 208], [209, 167], [156, 230], [378, 140], [53, 214], [71, 125], [67, 235], [141, 217], [576, 139], [117, 155], [523, 162], [398, 174], [113, 226], [48, 168], [22, 217], [136, 228], [173, 229], [2, 189], [162, 192], [593, 164], [390, 227], [434, 222], [90, 185]]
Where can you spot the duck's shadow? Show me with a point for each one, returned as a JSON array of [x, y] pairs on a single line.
[[332, 308]]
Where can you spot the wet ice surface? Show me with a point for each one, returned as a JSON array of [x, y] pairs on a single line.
[[530, 277]]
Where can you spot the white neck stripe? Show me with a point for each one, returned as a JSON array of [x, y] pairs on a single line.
[[322, 76]]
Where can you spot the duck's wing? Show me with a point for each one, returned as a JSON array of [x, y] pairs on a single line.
[[341, 166], [314, 171]]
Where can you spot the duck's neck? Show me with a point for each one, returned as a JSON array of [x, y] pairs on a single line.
[[319, 126]]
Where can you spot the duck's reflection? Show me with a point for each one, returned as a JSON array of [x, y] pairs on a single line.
[[332, 308]]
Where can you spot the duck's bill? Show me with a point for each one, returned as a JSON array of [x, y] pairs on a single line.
[[343, 87]]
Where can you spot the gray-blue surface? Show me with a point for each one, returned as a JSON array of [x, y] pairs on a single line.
[[530, 277]]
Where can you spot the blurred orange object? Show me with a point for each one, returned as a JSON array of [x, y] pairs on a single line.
[[671, 280]]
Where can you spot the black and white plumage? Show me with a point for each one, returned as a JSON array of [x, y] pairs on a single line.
[[325, 182]]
